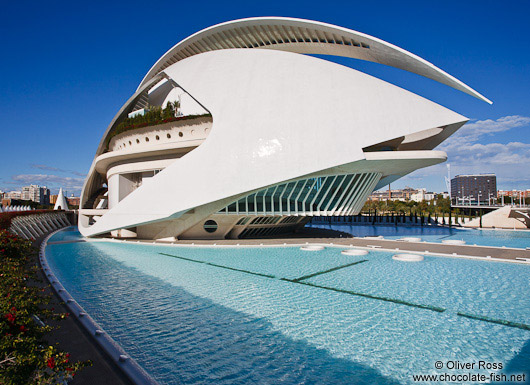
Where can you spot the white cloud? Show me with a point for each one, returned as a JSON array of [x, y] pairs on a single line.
[[475, 129], [50, 168], [51, 181], [468, 154]]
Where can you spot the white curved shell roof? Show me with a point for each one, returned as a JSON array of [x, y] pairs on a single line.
[[278, 116], [305, 37], [276, 126]]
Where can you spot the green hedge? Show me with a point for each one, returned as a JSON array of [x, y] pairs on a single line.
[[153, 117]]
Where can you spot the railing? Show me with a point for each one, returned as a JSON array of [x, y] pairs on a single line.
[[487, 206], [33, 224], [406, 220]]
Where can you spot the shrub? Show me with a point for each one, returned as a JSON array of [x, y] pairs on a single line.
[[25, 358], [154, 116]]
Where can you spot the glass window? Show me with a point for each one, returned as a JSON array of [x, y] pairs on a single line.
[[259, 201], [268, 199], [276, 198], [251, 203], [241, 205], [210, 226]]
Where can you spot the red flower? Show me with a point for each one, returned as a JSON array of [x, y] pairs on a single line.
[[69, 369], [11, 317], [23, 328], [51, 363]]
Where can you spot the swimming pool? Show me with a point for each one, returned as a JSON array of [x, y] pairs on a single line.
[[269, 315], [497, 238]]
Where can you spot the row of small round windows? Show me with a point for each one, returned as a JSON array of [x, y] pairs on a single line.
[[147, 139]]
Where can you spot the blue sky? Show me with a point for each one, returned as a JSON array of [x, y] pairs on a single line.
[[69, 66]]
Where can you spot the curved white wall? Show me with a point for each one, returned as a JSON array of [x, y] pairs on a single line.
[[177, 132], [277, 116]]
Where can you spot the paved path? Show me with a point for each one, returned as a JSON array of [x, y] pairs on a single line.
[[314, 235]]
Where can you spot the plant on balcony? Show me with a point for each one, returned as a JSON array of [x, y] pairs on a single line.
[[153, 116]]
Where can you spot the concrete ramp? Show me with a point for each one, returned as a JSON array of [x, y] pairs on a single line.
[[522, 215], [504, 218]]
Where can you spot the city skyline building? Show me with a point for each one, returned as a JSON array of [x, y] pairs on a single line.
[[36, 193], [474, 188], [225, 137]]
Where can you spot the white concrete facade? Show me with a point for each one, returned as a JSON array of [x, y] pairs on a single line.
[[264, 138], [61, 203]]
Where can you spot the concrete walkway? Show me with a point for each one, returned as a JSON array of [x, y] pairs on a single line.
[[315, 235]]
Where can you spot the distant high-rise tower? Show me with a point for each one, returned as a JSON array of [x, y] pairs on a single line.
[[36, 193], [475, 187]]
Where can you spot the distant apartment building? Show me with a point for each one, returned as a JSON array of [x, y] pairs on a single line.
[[406, 194], [514, 193], [36, 193], [395, 195], [13, 195], [73, 201], [424, 195], [474, 188], [514, 196], [421, 195]]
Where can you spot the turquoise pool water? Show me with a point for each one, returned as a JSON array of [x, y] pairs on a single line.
[[239, 315], [67, 234], [497, 238]]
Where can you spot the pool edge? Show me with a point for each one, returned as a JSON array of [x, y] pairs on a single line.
[[132, 370]]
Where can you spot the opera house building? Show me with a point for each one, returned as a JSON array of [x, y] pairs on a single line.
[[239, 131]]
